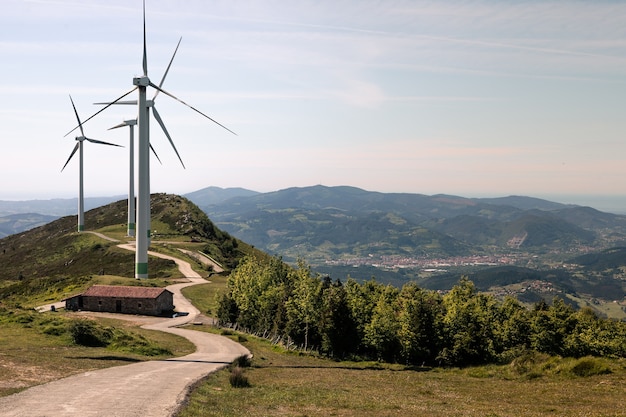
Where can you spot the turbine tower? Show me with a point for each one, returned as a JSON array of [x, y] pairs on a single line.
[[141, 84], [143, 198], [131, 174], [79, 147]]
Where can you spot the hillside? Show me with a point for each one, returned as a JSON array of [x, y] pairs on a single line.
[[16, 223], [329, 223], [394, 237], [216, 195], [55, 255], [54, 207], [502, 243]]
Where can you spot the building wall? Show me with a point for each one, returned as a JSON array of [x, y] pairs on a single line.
[[163, 304]]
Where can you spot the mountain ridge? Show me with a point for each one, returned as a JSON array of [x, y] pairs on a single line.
[[349, 232]]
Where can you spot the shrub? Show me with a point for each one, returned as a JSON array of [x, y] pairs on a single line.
[[528, 362], [54, 330], [243, 361], [238, 379], [589, 366], [87, 333], [124, 341]]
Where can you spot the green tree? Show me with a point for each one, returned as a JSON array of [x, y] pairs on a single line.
[[550, 326], [303, 308], [595, 336], [419, 320], [381, 333], [337, 327], [468, 326], [361, 300], [512, 333]]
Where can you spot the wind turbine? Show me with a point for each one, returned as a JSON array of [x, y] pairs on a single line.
[[131, 175], [141, 84], [79, 147]]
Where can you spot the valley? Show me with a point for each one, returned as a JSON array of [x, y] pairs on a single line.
[[35, 273], [527, 247]]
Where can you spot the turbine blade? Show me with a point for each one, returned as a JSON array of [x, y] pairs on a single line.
[[77, 118], [191, 107], [160, 121], [145, 55], [71, 155], [134, 102], [168, 68], [155, 154], [123, 124], [102, 109], [103, 143]]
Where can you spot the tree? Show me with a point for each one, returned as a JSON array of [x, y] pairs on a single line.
[[513, 328], [303, 308], [419, 319], [361, 300], [550, 327], [468, 326], [381, 334], [337, 327]]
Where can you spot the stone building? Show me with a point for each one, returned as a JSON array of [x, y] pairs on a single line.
[[122, 299]]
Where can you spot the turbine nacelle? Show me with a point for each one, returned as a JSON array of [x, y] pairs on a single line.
[[142, 81]]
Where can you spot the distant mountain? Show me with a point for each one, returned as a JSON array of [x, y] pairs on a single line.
[[530, 248], [54, 207], [511, 246], [16, 223], [215, 195], [332, 222], [523, 203]]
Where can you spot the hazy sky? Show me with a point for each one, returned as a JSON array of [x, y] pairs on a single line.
[[474, 98]]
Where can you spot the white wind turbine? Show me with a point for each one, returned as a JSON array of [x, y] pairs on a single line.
[[141, 84], [131, 175], [79, 147]]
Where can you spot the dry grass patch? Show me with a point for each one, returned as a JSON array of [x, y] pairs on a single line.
[[288, 384]]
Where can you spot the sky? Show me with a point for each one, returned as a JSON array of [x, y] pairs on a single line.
[[471, 98]]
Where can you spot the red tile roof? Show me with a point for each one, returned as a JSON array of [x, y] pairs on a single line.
[[119, 291]]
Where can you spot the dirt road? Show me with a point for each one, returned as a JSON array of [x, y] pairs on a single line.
[[145, 389]]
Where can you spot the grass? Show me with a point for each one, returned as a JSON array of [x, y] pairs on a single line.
[[35, 348], [204, 295], [287, 384]]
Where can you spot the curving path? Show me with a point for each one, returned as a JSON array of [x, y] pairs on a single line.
[[145, 389]]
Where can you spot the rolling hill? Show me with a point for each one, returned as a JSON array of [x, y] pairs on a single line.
[[55, 257], [502, 243], [329, 222], [511, 245], [16, 223]]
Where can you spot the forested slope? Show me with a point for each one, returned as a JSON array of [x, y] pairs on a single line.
[[408, 325]]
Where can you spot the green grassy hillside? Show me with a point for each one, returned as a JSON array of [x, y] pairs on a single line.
[[55, 259]]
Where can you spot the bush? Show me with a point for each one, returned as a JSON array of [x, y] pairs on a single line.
[[124, 341], [87, 333], [529, 363], [589, 366], [243, 361], [54, 330], [238, 379]]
